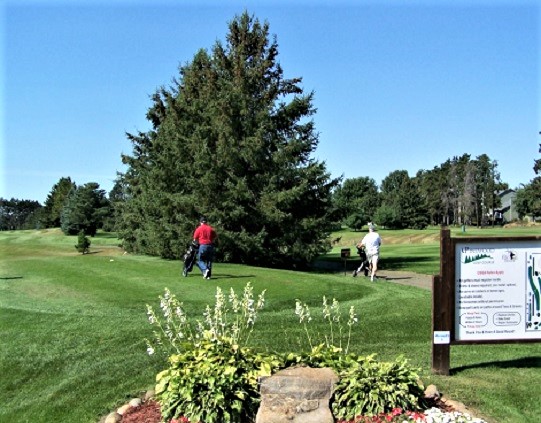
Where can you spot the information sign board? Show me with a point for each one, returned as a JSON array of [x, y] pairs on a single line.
[[497, 290]]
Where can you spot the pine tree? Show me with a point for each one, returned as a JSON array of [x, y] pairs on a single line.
[[56, 201], [84, 210], [231, 139]]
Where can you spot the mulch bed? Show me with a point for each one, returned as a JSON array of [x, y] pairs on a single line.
[[149, 412]]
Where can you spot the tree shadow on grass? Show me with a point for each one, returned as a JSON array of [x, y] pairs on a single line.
[[222, 276], [519, 363], [399, 263]]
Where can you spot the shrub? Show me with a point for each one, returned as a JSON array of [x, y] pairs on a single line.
[[215, 382], [366, 386], [83, 243]]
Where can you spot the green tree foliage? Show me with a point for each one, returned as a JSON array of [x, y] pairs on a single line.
[[461, 190], [84, 210], [117, 197], [356, 201], [231, 139], [401, 195], [56, 201], [83, 243], [528, 199], [19, 214]]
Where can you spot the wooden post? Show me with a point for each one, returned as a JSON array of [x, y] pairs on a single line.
[[442, 305]]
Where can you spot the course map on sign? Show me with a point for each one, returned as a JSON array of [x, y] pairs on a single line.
[[497, 291]]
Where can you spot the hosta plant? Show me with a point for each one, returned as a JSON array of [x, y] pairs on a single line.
[[214, 382]]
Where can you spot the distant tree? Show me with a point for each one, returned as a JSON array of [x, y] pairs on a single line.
[[356, 200], [18, 214], [401, 194], [388, 217], [528, 198], [537, 163], [56, 201], [231, 139], [83, 243], [84, 210], [117, 198], [467, 197]]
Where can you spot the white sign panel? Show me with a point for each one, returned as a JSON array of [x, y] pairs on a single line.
[[497, 291]]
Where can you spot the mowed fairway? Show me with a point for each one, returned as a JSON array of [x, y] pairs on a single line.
[[72, 327]]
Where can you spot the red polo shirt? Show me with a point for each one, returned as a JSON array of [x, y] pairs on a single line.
[[204, 234]]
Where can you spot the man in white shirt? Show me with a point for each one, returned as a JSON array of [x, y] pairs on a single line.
[[371, 243]]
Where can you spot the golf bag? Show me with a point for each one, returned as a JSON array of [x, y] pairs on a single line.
[[189, 258], [365, 264]]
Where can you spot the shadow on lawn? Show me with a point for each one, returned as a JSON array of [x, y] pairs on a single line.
[[222, 276], [524, 362], [399, 263]]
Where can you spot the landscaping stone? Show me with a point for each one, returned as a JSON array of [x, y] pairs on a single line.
[[136, 402], [113, 417], [297, 395]]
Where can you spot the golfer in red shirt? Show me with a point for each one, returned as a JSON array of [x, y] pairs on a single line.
[[205, 235]]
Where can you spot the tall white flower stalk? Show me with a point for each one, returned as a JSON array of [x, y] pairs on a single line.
[[303, 311], [231, 317], [331, 313]]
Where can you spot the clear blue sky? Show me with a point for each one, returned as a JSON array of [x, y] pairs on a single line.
[[399, 85]]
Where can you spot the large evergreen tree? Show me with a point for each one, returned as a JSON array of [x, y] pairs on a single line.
[[231, 139], [56, 200], [85, 210]]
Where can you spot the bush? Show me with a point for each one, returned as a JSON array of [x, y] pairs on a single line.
[[215, 382], [366, 386], [83, 243]]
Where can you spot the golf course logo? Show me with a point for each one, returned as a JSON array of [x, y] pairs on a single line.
[[477, 255], [509, 256]]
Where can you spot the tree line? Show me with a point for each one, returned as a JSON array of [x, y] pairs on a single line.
[[232, 139]]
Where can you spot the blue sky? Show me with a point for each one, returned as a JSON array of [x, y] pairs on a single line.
[[399, 85]]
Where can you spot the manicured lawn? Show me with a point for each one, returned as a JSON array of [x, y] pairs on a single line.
[[73, 326]]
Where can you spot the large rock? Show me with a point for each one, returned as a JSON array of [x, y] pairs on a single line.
[[297, 395]]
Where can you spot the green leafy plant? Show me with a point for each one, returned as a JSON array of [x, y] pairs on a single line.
[[214, 382], [366, 386], [233, 317], [212, 377]]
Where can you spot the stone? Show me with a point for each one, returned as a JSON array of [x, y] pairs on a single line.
[[149, 395], [297, 395], [122, 410], [113, 417], [135, 402], [431, 392]]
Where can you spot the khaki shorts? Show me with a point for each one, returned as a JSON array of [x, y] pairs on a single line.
[[374, 258]]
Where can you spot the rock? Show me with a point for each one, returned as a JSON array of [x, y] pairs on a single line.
[[136, 402], [113, 417], [455, 405], [123, 409], [431, 392], [297, 395], [149, 395]]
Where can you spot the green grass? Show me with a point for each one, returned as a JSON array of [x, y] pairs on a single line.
[[73, 326]]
